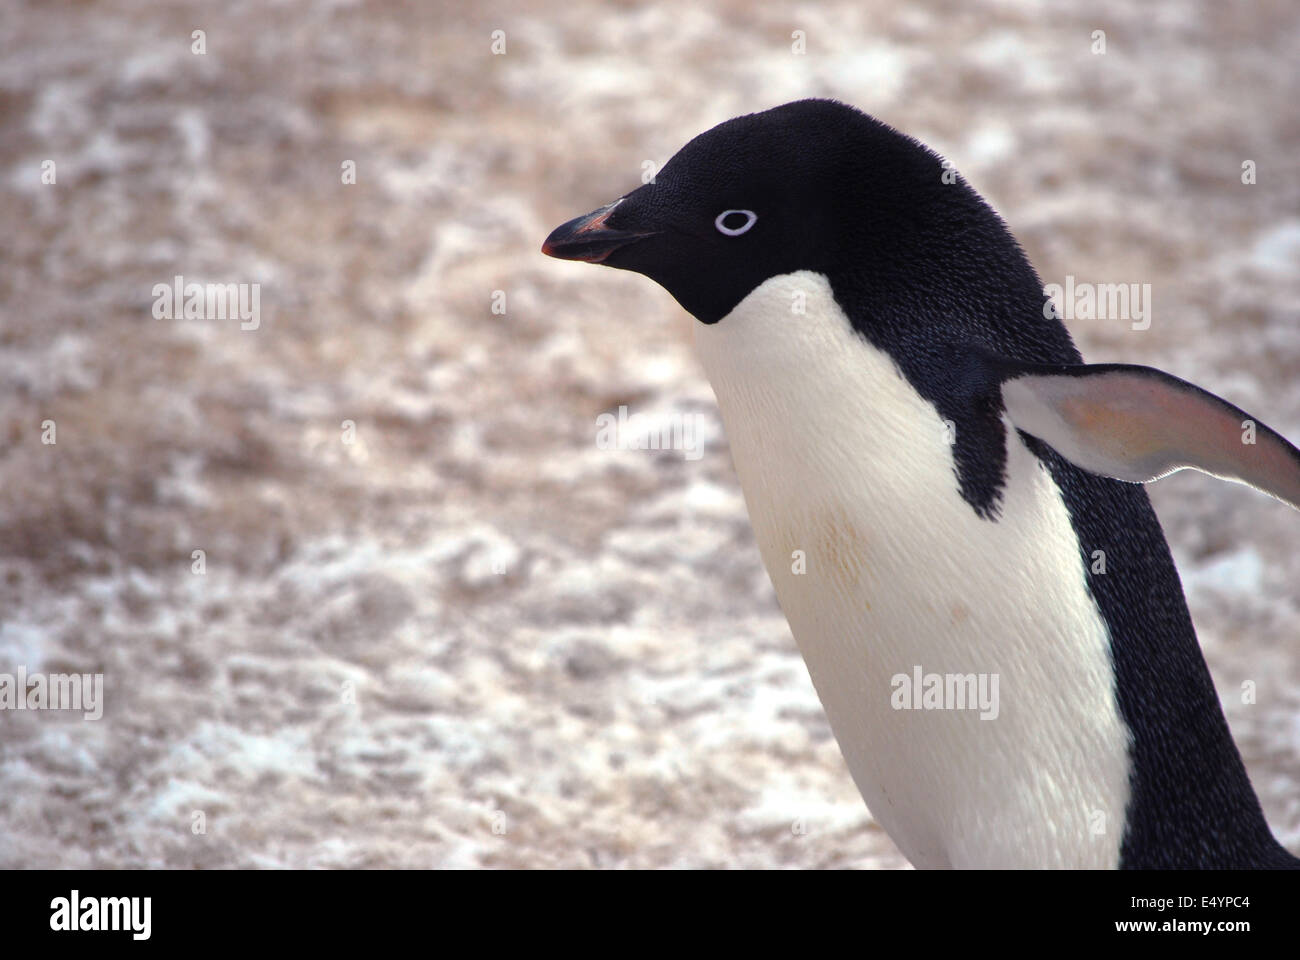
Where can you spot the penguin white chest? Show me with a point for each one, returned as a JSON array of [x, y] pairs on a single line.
[[963, 665]]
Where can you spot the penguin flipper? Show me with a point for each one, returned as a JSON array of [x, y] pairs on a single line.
[[1139, 424]]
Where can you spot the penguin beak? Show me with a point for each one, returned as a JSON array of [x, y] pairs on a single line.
[[590, 238]]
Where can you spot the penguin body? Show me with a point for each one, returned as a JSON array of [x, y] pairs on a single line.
[[888, 587], [932, 472]]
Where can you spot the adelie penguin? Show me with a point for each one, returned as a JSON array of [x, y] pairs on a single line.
[[903, 410]]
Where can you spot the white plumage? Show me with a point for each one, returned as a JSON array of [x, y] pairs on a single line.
[[839, 457]]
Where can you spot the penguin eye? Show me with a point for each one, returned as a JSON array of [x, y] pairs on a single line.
[[735, 222]]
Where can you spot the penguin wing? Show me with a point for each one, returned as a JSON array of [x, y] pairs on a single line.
[[1139, 424]]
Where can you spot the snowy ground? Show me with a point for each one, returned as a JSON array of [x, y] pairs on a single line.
[[471, 637]]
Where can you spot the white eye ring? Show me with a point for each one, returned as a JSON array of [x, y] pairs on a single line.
[[736, 231]]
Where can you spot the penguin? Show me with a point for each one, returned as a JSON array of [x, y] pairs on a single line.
[[941, 488]]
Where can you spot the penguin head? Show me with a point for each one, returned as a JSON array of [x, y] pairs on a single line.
[[811, 185], [925, 270]]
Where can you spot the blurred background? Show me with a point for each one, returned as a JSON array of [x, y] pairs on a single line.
[[462, 635]]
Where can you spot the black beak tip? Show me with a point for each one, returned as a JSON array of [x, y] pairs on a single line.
[[558, 244], [589, 238]]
